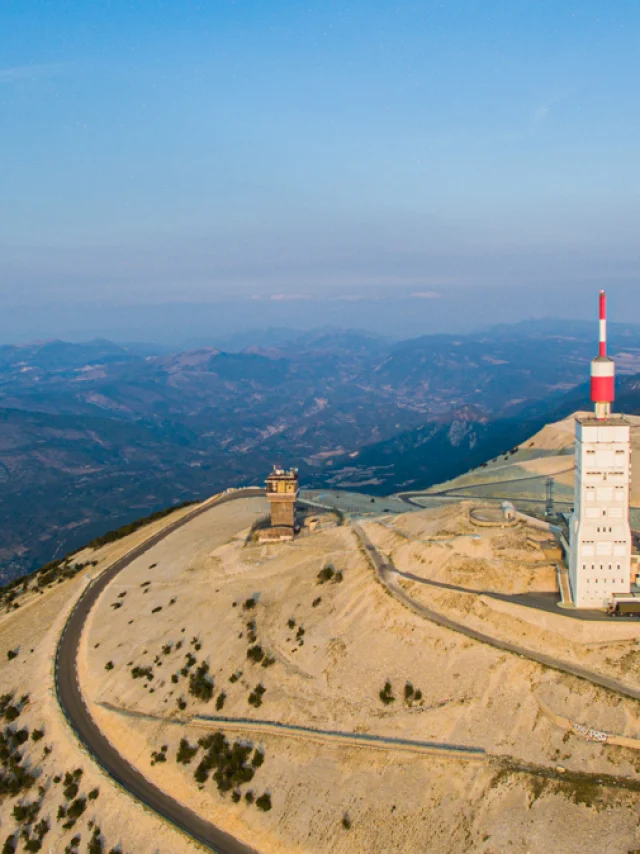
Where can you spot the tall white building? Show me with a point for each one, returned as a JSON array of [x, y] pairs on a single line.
[[600, 534]]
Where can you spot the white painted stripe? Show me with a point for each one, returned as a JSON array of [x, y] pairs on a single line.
[[602, 369], [603, 330]]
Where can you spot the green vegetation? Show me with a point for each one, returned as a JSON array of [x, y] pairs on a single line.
[[109, 665], [249, 604], [142, 673], [255, 654], [201, 684], [37, 734], [125, 530], [186, 752], [386, 694], [346, 822], [411, 696], [159, 755], [155, 610], [11, 654], [220, 700], [328, 573], [255, 697], [316, 602], [229, 763], [264, 802]]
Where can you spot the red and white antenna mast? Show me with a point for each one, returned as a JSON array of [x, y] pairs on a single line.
[[602, 369]]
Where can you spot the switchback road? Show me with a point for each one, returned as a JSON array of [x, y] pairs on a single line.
[[79, 717], [386, 573]]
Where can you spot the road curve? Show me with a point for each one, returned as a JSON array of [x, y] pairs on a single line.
[[79, 717], [384, 570]]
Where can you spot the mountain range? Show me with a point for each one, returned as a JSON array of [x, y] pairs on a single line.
[[96, 434]]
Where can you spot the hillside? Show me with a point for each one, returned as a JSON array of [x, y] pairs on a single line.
[[189, 630]]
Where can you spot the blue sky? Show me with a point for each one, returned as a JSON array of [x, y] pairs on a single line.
[[159, 151]]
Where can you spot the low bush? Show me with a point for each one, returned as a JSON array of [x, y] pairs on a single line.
[[264, 802], [186, 752]]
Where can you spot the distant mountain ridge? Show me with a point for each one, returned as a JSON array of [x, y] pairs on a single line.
[[93, 435]]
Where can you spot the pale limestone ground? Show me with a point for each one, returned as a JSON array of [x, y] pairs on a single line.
[[33, 629], [354, 639]]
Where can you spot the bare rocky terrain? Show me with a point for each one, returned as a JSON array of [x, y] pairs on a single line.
[[193, 627]]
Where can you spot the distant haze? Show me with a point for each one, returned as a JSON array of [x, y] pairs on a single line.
[[164, 163], [403, 315]]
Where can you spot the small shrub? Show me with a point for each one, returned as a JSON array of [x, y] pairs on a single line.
[[201, 684], [182, 705], [235, 676], [155, 610], [220, 699], [255, 653], [249, 797], [316, 602], [326, 574], [385, 695], [264, 802], [93, 794], [9, 846], [268, 660], [109, 665], [249, 604], [258, 758], [346, 822], [37, 734], [255, 698], [186, 752], [11, 654], [116, 605], [291, 623]]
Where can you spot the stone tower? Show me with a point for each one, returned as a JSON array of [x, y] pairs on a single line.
[[282, 492]]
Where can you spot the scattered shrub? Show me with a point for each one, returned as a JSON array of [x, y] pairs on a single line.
[[155, 610], [186, 752], [346, 822], [142, 672], [255, 698], [220, 699], [37, 734], [249, 604], [326, 574], [264, 802], [316, 602], [109, 665], [201, 684], [11, 654], [255, 653], [385, 695]]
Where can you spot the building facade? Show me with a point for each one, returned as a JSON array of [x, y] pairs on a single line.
[[600, 535], [282, 492]]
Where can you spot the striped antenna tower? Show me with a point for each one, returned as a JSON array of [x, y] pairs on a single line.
[[603, 369]]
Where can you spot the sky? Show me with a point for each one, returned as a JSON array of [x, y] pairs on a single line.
[[155, 153]]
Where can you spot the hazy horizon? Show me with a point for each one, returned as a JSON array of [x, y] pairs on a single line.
[[184, 153]]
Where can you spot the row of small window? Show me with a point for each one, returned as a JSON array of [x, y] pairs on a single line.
[[618, 453], [605, 474], [591, 542], [584, 566], [608, 581]]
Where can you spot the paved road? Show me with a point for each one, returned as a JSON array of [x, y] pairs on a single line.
[[386, 574], [73, 705]]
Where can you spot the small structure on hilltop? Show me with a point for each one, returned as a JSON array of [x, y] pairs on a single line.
[[282, 492], [504, 516], [600, 565]]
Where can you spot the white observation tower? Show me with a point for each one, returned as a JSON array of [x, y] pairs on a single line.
[[600, 534]]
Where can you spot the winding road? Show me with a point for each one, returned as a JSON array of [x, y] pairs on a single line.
[[79, 717], [387, 573]]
